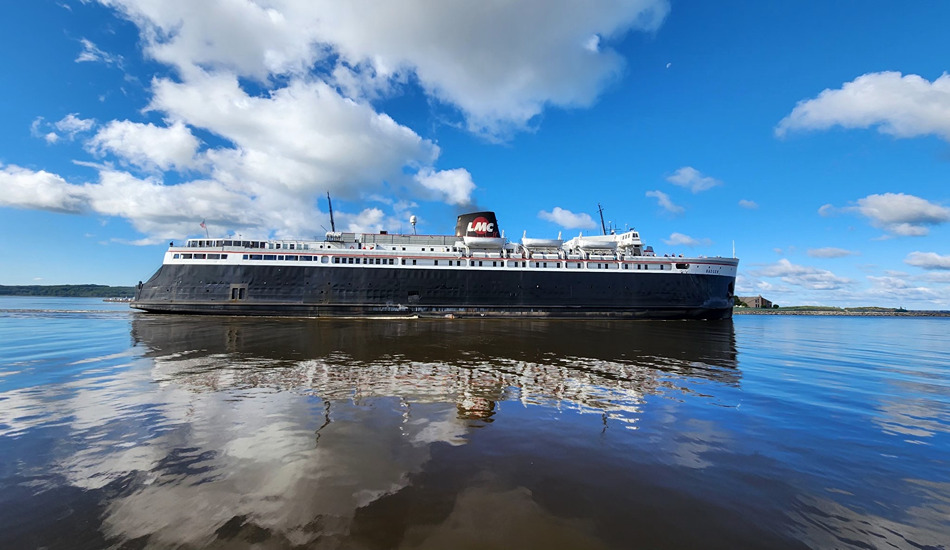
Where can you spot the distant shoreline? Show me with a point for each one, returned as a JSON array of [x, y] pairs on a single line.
[[68, 291], [840, 312]]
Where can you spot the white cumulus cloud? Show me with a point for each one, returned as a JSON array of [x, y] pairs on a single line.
[[890, 288], [71, 124], [254, 39], [692, 179], [897, 213], [368, 220], [40, 190], [751, 205], [679, 239], [304, 136], [568, 219], [902, 106], [475, 56], [478, 57], [147, 145], [665, 202], [450, 186], [807, 277], [928, 260]]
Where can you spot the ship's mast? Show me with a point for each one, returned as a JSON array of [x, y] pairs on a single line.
[[330, 204], [602, 225]]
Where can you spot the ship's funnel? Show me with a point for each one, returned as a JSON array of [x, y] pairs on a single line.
[[477, 224]]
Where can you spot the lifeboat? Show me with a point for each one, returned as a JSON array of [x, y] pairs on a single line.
[[606, 242], [541, 243], [483, 242]]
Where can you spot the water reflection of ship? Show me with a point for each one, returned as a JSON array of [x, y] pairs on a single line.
[[600, 365], [292, 429]]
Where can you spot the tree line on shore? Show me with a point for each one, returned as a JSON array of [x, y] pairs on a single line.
[[69, 291]]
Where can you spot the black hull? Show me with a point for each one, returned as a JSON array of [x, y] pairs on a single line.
[[394, 291]]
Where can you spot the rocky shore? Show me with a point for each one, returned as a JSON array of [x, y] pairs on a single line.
[[840, 312]]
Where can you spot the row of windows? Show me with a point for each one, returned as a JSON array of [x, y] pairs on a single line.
[[250, 244], [198, 243], [570, 265], [290, 246], [288, 258], [391, 261], [378, 261], [245, 244], [202, 256]]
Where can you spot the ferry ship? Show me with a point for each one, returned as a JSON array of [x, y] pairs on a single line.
[[476, 272]]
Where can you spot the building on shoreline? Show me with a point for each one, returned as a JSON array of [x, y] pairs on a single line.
[[756, 302]]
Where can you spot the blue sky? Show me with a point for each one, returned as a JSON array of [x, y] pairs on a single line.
[[813, 135]]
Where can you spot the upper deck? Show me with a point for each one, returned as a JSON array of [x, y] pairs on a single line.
[[602, 253]]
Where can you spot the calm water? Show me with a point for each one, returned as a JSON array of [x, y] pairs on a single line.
[[128, 430]]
